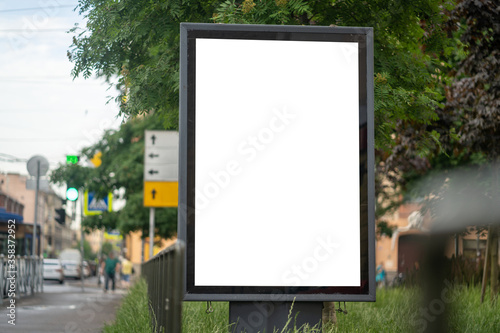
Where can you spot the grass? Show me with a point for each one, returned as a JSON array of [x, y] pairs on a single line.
[[469, 315], [133, 314], [396, 310]]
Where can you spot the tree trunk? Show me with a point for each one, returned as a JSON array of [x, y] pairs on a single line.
[[486, 266], [494, 262], [329, 315]]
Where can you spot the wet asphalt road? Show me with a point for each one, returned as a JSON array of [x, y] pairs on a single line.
[[62, 308]]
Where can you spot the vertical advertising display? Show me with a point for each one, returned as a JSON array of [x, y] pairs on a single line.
[[276, 184]]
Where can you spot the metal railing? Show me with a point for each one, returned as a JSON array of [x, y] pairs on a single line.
[[164, 275], [20, 276]]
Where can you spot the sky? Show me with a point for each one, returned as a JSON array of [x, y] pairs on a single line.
[[43, 110]]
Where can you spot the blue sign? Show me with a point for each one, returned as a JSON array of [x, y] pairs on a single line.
[[95, 206]]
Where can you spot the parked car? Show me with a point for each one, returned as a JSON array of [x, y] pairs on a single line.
[[71, 260], [71, 269], [70, 254], [86, 269], [53, 270]]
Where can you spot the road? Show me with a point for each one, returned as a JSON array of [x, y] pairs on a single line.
[[63, 308]]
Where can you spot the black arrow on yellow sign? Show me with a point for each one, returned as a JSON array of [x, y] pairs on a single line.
[[161, 194]]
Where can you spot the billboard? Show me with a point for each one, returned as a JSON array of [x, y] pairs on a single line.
[[276, 187]]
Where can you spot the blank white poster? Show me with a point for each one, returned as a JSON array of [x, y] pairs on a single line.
[[277, 163]]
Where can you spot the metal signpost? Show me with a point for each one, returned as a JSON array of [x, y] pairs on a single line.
[[161, 167], [276, 169], [95, 206], [37, 166]]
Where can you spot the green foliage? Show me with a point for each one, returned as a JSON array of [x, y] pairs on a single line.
[[396, 310], [383, 228], [468, 124], [138, 42], [107, 248], [71, 174], [263, 12], [88, 254], [133, 314], [472, 98]]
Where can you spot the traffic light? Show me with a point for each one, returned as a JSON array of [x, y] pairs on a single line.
[[72, 159], [61, 216], [71, 193]]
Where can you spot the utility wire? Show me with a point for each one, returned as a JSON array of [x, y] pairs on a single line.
[[19, 140], [10, 158], [34, 8], [37, 30]]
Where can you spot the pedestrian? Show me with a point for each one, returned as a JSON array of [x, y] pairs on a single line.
[[381, 276], [110, 267], [126, 272], [100, 271]]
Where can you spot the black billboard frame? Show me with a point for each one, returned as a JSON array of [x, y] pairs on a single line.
[[187, 122]]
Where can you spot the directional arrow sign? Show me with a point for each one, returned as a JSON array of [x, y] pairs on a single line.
[[161, 168], [161, 156], [161, 194]]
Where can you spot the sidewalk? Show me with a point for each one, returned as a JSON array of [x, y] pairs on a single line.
[[62, 308]]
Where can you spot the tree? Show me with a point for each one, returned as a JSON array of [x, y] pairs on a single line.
[[472, 89], [107, 247], [88, 254], [473, 102], [139, 43]]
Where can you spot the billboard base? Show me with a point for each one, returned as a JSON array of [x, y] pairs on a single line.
[[253, 317]]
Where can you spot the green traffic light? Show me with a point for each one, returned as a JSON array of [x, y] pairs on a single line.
[[72, 194], [72, 159]]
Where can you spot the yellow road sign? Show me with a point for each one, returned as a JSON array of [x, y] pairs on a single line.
[[96, 160], [161, 194]]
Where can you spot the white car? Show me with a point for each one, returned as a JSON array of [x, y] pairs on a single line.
[[86, 269], [53, 270], [71, 268]]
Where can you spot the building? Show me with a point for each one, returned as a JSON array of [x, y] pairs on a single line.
[[52, 236], [14, 234], [403, 252], [137, 249]]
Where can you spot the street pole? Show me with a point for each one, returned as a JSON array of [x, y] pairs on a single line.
[[81, 237], [151, 230], [37, 166], [99, 273], [33, 250]]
